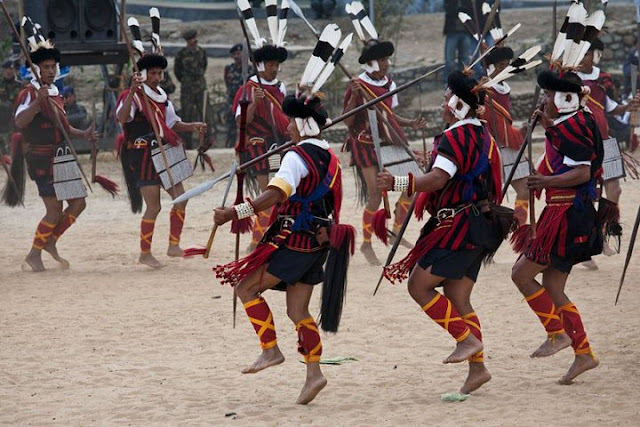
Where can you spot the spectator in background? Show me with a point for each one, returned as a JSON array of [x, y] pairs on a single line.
[[458, 44], [190, 67], [9, 89], [632, 60], [76, 113], [323, 8], [233, 82]]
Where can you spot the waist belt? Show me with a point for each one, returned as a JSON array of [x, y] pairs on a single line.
[[446, 213], [286, 222]]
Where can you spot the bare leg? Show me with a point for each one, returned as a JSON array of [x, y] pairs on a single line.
[[523, 275], [422, 284], [175, 250], [263, 182], [53, 214], [75, 208], [555, 282], [373, 202], [298, 297], [248, 290], [459, 292], [151, 196]]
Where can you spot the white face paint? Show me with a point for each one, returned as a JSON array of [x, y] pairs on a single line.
[[491, 69], [597, 56], [260, 67], [307, 127], [371, 67], [458, 107], [566, 102]]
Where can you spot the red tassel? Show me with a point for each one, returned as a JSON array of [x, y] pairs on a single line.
[[208, 161], [191, 252], [110, 186], [379, 223], [341, 233], [634, 143], [421, 205], [119, 144], [233, 272], [521, 238], [608, 212], [242, 226], [6, 159]]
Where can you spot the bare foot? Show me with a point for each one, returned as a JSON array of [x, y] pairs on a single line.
[[590, 265], [464, 350], [311, 388], [607, 250], [269, 357], [369, 254], [478, 375], [403, 241], [582, 363], [552, 345], [51, 248], [33, 261], [150, 260], [175, 251]]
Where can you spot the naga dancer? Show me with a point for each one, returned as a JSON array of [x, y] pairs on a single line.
[[142, 156], [39, 107], [266, 124], [305, 235], [460, 193], [373, 82], [568, 230]]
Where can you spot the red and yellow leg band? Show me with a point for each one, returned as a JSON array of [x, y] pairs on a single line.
[[261, 318], [43, 233], [64, 224], [445, 314], [176, 222], [542, 305], [260, 226], [309, 342], [400, 213], [521, 208], [146, 234], [472, 321], [575, 329], [367, 225]]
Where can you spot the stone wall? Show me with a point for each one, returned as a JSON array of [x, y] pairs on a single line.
[[619, 42]]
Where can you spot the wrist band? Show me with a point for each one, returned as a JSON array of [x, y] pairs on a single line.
[[244, 210], [400, 183], [411, 188]]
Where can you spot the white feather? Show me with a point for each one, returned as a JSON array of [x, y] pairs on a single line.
[[355, 21], [331, 34], [251, 23], [528, 54], [486, 8], [578, 15], [366, 23], [463, 17], [328, 69], [133, 22], [282, 24], [154, 12], [596, 21], [272, 21]]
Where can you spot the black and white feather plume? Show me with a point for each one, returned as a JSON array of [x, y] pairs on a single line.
[[154, 14], [272, 19], [467, 21], [497, 42], [35, 37], [594, 23], [282, 22], [361, 21], [496, 28], [250, 21], [134, 27], [575, 33], [521, 63], [326, 55]]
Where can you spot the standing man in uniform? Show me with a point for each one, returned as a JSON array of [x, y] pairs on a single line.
[[189, 67], [233, 82], [9, 89]]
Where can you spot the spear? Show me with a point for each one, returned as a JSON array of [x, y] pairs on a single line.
[[632, 243], [205, 186], [232, 173], [51, 105]]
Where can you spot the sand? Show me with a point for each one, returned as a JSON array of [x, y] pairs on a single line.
[[112, 342]]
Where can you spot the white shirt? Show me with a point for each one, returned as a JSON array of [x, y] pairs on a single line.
[[273, 82], [502, 88], [443, 162], [293, 169], [379, 83], [609, 104], [53, 91], [170, 116]]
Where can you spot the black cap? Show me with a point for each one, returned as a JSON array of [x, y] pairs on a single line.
[[374, 50], [236, 47], [189, 34]]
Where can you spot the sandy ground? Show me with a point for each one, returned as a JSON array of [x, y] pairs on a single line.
[[111, 342]]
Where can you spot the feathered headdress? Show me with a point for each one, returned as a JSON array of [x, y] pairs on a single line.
[[277, 23], [40, 48], [374, 48], [155, 58], [305, 105]]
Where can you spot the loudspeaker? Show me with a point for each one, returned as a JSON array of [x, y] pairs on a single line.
[[85, 31], [75, 21]]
